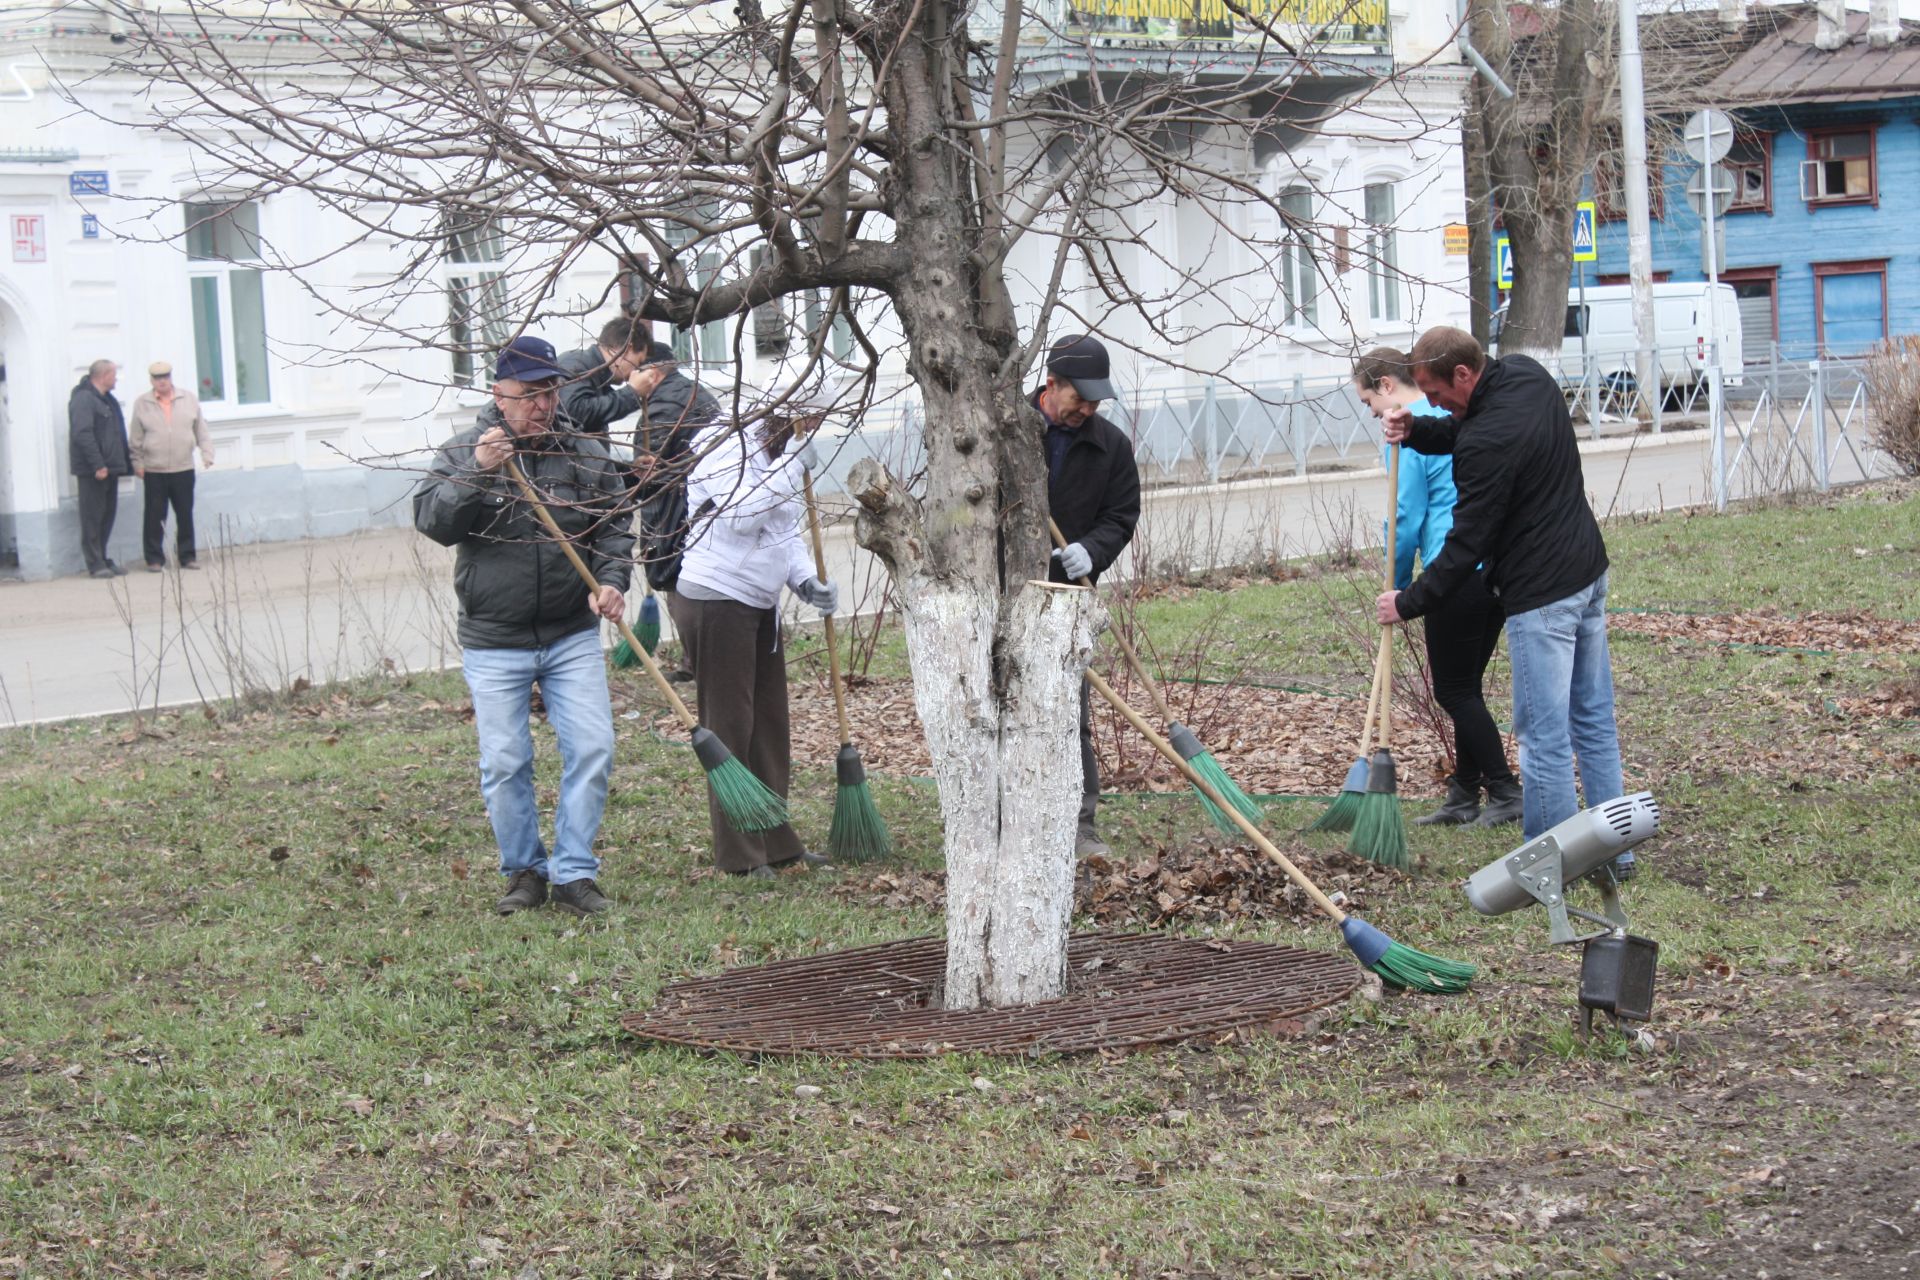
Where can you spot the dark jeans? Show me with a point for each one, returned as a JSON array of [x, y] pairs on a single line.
[[99, 501], [166, 488], [740, 677], [1462, 632]]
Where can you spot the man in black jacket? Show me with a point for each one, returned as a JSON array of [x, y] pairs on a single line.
[[1093, 491], [97, 455], [609, 380], [526, 617], [1522, 511]]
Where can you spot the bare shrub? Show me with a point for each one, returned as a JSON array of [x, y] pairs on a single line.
[[1893, 401]]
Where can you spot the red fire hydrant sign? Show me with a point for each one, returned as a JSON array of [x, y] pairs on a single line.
[[29, 237]]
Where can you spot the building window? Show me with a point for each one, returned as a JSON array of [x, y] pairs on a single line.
[[1839, 168], [1298, 276], [1751, 161], [1850, 305], [1609, 184], [1623, 277], [1383, 254], [769, 318], [228, 291], [477, 322], [840, 337]]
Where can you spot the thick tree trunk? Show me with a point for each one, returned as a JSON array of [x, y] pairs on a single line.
[[997, 686]]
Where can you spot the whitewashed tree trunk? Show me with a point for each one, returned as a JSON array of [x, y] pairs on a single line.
[[1008, 768], [997, 685]]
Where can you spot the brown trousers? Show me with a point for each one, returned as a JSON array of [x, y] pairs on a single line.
[[740, 677]]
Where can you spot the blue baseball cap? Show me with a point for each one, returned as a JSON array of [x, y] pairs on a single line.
[[1082, 360], [528, 359]]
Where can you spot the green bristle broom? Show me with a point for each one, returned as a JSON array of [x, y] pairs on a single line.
[[748, 803], [1403, 966], [646, 630], [858, 833], [1184, 741], [1346, 806], [1379, 828]]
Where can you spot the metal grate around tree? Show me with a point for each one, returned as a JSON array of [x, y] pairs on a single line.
[[885, 1001]]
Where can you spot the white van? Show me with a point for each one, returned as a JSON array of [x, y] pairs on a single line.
[[1679, 325]]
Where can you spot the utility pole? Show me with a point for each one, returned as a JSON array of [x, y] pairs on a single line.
[[1633, 143]]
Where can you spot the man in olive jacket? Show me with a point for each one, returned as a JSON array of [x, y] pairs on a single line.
[[1093, 493], [1523, 513], [97, 456], [526, 617]]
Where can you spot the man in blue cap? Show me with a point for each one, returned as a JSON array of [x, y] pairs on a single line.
[[1093, 490], [526, 617]]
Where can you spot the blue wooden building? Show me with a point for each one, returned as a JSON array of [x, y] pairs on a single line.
[[1823, 238]]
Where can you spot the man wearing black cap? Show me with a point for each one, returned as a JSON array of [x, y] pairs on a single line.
[[1093, 489], [526, 617]]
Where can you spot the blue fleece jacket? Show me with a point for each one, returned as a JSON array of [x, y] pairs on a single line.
[[1426, 503]]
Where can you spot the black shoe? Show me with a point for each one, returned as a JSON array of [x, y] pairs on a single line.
[[101, 572], [118, 569], [1462, 807], [679, 677], [1503, 805], [582, 897], [806, 859], [526, 889]]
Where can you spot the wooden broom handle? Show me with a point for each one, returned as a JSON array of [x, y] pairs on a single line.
[[1373, 698], [833, 648], [546, 517], [1386, 639], [1205, 788], [1132, 659]]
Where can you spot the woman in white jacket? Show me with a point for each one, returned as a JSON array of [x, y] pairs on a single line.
[[744, 544]]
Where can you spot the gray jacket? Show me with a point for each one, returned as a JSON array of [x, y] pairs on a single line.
[[516, 588], [591, 397], [96, 433]]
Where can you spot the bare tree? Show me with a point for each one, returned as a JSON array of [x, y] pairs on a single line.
[[888, 165]]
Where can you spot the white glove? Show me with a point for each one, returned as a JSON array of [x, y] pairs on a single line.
[[1074, 561], [808, 455], [823, 596]]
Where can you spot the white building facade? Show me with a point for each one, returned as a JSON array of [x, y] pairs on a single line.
[[318, 420]]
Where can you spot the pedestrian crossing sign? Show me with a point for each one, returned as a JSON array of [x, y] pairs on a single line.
[[1586, 244], [1503, 262]]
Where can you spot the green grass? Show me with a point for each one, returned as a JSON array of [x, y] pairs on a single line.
[[257, 1019]]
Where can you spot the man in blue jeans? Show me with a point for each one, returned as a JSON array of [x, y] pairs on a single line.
[[1522, 511], [527, 619]]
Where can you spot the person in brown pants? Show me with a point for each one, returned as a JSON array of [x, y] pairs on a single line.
[[743, 546]]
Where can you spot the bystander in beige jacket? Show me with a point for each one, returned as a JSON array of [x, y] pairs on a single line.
[[163, 433]]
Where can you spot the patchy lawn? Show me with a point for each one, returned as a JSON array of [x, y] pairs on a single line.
[[256, 1017]]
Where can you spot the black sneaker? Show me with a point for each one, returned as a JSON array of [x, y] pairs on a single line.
[[119, 570], [526, 889], [102, 572], [582, 897]]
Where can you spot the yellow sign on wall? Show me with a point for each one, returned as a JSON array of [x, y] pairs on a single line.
[[1456, 239]]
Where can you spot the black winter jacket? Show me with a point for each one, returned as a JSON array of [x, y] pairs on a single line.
[[590, 397], [96, 433], [516, 588], [1523, 506], [676, 411], [1095, 499]]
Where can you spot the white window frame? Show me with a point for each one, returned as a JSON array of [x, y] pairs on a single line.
[[222, 272], [1299, 272], [1384, 295], [474, 268]]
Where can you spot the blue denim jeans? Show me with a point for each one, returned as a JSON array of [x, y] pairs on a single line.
[[572, 675], [1563, 706]]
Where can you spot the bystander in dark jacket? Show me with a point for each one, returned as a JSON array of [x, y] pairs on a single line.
[[97, 455]]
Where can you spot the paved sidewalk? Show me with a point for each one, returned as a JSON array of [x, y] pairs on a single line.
[[262, 616]]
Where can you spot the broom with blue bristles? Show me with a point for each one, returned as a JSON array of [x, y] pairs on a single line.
[[748, 803], [1395, 962], [1185, 741], [1346, 806]]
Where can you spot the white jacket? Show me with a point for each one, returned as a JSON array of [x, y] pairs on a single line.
[[748, 543]]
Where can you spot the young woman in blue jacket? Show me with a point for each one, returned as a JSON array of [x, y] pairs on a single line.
[[1463, 632]]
